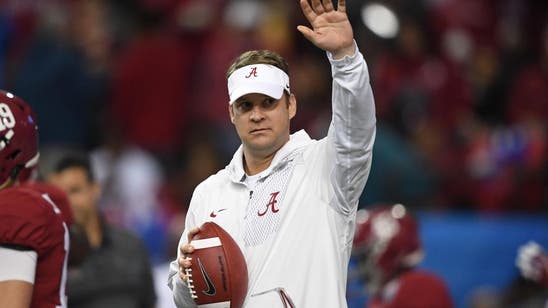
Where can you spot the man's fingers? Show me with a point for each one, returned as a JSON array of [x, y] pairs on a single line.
[[184, 263], [317, 6], [328, 5], [187, 249], [183, 275], [307, 32], [192, 232], [342, 6], [308, 11]]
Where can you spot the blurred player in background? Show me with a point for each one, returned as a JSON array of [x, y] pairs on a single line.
[[388, 249], [530, 288], [34, 236], [290, 201], [115, 270], [532, 262]]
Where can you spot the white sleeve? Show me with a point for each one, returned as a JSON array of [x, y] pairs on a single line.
[[181, 294], [17, 264], [352, 131]]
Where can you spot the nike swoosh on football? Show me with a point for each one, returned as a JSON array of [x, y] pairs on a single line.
[[213, 214], [210, 286]]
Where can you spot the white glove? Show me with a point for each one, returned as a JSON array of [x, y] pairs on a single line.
[[532, 262]]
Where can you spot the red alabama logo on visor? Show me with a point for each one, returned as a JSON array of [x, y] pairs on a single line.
[[252, 73]]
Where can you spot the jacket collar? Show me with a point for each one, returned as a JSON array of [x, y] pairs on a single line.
[[236, 168]]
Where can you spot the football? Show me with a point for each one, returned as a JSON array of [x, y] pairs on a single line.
[[218, 274]]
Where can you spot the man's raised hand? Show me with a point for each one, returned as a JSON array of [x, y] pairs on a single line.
[[331, 30]]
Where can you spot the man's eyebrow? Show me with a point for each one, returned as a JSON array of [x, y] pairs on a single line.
[[242, 98], [240, 101]]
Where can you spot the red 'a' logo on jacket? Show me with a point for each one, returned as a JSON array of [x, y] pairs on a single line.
[[270, 205]]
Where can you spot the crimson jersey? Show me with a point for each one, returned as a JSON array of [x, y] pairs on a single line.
[[30, 219], [413, 289], [58, 196]]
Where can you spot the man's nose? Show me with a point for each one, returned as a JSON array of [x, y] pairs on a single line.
[[256, 114]]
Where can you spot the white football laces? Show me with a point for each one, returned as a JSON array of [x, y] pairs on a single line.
[[190, 283]]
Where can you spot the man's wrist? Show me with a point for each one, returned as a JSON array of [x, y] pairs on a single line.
[[344, 52], [344, 57]]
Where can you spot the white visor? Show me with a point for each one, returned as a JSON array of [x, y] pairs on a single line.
[[257, 78]]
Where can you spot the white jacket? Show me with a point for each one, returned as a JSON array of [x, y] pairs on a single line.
[[296, 228]]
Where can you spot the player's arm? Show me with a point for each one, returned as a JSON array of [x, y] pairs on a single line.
[[352, 131], [15, 294], [17, 271]]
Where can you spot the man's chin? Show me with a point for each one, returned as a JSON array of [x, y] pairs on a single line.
[[262, 147], [259, 141], [256, 147]]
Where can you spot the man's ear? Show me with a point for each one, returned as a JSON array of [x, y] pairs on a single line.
[[292, 106], [231, 113]]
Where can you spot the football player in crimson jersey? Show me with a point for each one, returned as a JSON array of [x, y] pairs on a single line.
[[34, 239], [387, 247]]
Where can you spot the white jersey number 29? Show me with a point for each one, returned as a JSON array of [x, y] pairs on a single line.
[[7, 120]]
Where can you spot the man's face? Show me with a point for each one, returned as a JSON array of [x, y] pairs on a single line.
[[262, 122], [82, 193]]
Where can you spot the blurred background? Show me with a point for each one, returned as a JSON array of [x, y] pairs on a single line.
[[461, 90]]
